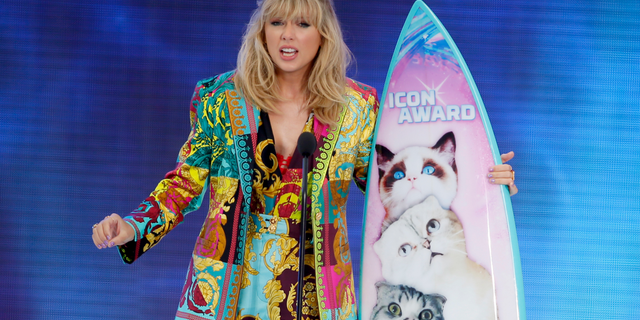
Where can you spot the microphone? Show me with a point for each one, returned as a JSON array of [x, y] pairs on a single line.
[[306, 146]]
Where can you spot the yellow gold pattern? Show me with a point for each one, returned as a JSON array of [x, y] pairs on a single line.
[[274, 294], [207, 283], [287, 249], [249, 255], [258, 182], [347, 305], [225, 190], [291, 298]]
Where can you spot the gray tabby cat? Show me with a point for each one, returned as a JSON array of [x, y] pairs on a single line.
[[406, 303], [414, 173]]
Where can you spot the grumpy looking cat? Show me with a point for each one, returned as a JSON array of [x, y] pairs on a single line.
[[411, 175], [425, 249], [402, 302]]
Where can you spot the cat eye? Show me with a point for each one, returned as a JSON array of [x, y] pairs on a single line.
[[398, 175], [395, 309], [426, 315], [433, 226], [428, 170], [404, 250]]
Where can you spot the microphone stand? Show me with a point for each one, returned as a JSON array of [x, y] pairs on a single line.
[[306, 146]]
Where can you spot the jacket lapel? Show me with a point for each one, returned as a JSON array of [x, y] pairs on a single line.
[[318, 207], [329, 137], [244, 120]]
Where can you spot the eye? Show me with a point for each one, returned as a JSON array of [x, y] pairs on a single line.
[[404, 250], [398, 175], [428, 170], [395, 309], [433, 226], [276, 23], [426, 315], [304, 25]]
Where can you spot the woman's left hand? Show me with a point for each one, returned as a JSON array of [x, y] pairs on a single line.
[[504, 174]]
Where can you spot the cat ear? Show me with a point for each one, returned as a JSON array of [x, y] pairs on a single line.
[[440, 298], [383, 288], [381, 284], [447, 146], [384, 156]]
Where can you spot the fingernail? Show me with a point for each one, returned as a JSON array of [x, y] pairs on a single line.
[[493, 180], [108, 237], [490, 169], [490, 175], [112, 243]]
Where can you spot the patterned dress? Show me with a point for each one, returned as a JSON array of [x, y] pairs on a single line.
[[270, 276], [221, 156]]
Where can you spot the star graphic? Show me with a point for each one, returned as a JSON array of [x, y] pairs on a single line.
[[439, 93]]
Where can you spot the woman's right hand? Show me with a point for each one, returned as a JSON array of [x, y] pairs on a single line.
[[112, 231]]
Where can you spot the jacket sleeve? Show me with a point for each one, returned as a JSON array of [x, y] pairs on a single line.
[[182, 189], [367, 127]]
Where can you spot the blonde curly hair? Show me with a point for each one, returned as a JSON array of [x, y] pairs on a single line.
[[325, 82]]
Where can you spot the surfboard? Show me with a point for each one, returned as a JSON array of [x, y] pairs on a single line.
[[434, 142]]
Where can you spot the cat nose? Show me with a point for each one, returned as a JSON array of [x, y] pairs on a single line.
[[426, 244]]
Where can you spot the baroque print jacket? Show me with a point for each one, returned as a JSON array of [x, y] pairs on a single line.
[[219, 156]]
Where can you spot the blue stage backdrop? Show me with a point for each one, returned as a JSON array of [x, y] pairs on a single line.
[[94, 99]]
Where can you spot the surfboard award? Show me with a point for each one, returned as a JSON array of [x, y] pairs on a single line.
[[439, 239]]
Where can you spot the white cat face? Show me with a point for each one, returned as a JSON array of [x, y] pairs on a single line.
[[423, 238], [439, 226], [402, 252], [414, 173]]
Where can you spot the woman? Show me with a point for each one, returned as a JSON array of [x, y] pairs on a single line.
[[290, 78]]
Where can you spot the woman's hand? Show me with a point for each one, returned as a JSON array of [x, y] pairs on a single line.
[[112, 231], [504, 174]]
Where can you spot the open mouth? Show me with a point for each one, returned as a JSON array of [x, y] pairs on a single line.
[[288, 52]]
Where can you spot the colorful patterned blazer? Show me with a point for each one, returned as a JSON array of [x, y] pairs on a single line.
[[219, 156]]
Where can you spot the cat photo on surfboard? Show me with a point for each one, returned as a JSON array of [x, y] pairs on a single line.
[[439, 240]]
